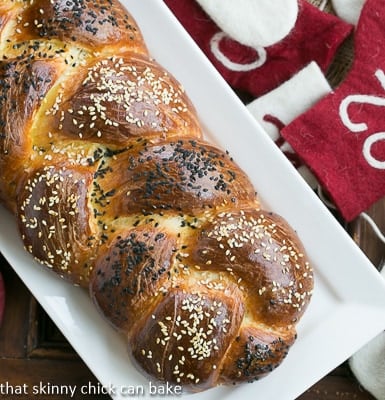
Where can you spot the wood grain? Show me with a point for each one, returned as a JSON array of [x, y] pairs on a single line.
[[32, 349]]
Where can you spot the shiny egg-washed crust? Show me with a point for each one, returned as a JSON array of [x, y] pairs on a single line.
[[102, 160]]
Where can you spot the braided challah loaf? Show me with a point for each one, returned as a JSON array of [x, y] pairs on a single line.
[[103, 162]]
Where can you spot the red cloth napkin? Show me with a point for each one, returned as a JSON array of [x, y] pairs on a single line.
[[342, 138], [315, 37]]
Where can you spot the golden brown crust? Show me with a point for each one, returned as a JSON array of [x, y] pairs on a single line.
[[129, 273], [28, 81], [115, 99], [186, 336], [96, 25], [54, 220], [254, 353], [265, 255], [102, 160], [182, 176], [247, 267]]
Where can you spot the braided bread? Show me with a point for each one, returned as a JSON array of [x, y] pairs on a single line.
[[103, 161]]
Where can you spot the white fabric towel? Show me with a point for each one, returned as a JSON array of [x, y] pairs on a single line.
[[348, 10], [253, 23], [288, 101]]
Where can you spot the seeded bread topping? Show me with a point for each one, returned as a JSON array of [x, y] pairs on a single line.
[[103, 162]]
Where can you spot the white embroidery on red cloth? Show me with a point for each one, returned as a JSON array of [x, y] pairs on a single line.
[[231, 65], [362, 126], [367, 150]]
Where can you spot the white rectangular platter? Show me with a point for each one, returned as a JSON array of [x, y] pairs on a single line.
[[348, 306]]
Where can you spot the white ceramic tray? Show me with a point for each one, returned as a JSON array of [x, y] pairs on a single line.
[[348, 306]]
